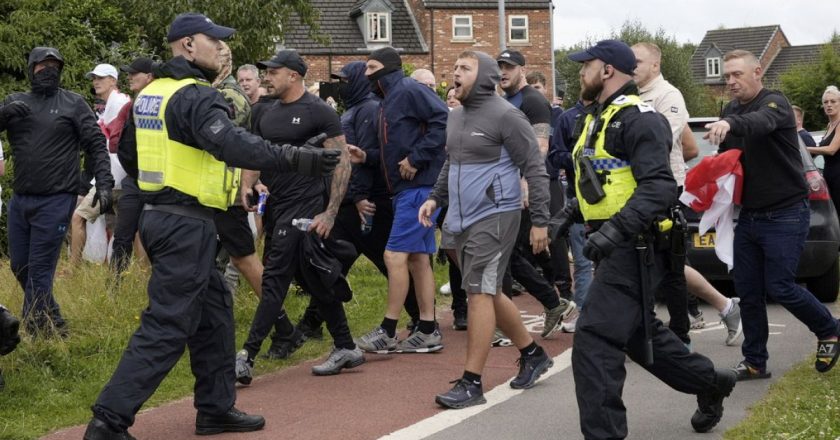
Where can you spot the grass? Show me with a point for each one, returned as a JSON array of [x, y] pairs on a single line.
[[52, 383]]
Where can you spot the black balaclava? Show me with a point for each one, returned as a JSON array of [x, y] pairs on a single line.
[[391, 61], [47, 80]]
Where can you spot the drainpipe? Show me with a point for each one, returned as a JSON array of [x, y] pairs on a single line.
[[502, 42]]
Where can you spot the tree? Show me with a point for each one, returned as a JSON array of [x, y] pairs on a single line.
[[676, 64], [804, 84]]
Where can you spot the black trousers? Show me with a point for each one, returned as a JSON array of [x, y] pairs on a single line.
[[559, 248], [128, 221], [523, 271], [609, 327], [674, 291], [188, 307], [348, 226], [280, 267]]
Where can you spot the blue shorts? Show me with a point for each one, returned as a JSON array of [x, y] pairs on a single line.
[[407, 234]]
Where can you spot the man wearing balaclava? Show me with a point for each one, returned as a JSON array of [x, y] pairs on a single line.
[[489, 143], [47, 127], [412, 125]]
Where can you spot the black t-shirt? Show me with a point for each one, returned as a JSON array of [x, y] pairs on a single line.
[[293, 195], [536, 108]]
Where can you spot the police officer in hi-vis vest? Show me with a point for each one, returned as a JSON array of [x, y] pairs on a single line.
[[185, 143], [625, 188]]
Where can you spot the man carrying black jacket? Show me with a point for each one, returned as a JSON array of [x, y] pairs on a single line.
[[47, 127], [182, 119], [627, 140]]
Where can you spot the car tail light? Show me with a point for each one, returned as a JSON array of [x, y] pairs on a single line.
[[817, 189]]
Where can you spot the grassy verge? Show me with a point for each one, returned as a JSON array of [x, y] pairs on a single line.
[[52, 383]]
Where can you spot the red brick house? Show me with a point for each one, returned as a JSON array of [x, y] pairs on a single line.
[[428, 33]]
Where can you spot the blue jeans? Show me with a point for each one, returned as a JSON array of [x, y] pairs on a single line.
[[768, 245], [583, 266], [37, 226]]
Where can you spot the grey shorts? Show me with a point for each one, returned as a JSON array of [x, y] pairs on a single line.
[[484, 251]]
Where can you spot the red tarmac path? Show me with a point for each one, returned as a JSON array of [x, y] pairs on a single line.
[[386, 394]]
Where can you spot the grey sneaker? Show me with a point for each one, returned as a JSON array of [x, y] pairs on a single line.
[[569, 325], [732, 322], [377, 341], [500, 340], [696, 321], [420, 342], [339, 358], [555, 316], [244, 368]]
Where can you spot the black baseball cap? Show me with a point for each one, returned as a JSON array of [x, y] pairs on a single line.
[[613, 52], [512, 57], [191, 23], [139, 65], [289, 59]]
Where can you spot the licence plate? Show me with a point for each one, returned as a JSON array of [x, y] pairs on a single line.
[[706, 240]]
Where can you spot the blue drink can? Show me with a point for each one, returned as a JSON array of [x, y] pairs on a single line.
[[261, 203]]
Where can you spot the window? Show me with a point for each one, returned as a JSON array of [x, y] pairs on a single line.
[[518, 28], [462, 27], [713, 67], [378, 26]]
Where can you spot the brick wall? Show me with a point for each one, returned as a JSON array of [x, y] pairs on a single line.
[[776, 44]]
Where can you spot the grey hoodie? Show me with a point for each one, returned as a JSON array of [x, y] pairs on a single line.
[[488, 143]]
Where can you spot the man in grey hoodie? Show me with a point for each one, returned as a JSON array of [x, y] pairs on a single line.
[[489, 142]]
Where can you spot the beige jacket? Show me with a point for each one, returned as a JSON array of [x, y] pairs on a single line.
[[668, 100]]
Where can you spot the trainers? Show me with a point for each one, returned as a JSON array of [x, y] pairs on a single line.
[[530, 369], [316, 333], [462, 395], [828, 351], [710, 404], [99, 430], [446, 289], [339, 358], [696, 321], [500, 340], [377, 341], [555, 316], [282, 348], [244, 367], [568, 326], [745, 371], [732, 322], [231, 421], [460, 322], [419, 342]]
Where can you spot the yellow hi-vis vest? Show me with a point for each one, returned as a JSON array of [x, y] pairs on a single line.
[[162, 162], [617, 177]]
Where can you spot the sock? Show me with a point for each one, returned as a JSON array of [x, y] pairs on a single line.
[[426, 327], [473, 378], [390, 327], [531, 350], [728, 307]]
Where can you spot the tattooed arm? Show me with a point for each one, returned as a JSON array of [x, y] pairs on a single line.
[[543, 131], [323, 223]]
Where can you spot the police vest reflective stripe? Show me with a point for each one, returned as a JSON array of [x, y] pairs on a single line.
[[163, 162], [616, 175]]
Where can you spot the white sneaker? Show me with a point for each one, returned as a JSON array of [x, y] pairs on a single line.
[[568, 326], [446, 289]]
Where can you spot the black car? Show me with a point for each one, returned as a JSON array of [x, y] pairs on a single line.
[[818, 267]]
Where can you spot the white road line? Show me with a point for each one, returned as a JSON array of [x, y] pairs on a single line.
[[452, 417]]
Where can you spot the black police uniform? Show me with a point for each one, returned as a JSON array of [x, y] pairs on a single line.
[[611, 325], [188, 302]]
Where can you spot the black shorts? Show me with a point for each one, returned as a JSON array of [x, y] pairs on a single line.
[[235, 232]]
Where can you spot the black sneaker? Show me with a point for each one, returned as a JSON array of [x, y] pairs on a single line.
[[710, 405], [745, 371], [462, 395], [99, 430], [282, 348], [316, 333], [232, 421], [530, 369], [460, 322]]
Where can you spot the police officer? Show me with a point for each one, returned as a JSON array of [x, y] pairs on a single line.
[[625, 139], [184, 143], [47, 127]]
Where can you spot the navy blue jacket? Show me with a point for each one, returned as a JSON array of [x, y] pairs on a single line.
[[359, 124], [412, 123], [562, 143]]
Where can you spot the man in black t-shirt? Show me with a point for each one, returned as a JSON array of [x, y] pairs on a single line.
[[522, 263], [296, 114]]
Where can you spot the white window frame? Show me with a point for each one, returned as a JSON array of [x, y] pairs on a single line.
[[381, 22], [469, 26], [511, 29], [713, 67]]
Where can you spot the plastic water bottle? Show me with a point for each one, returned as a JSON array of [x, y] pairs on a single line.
[[367, 225], [302, 223], [261, 203]]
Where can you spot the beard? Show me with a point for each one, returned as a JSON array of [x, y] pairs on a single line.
[[590, 92]]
